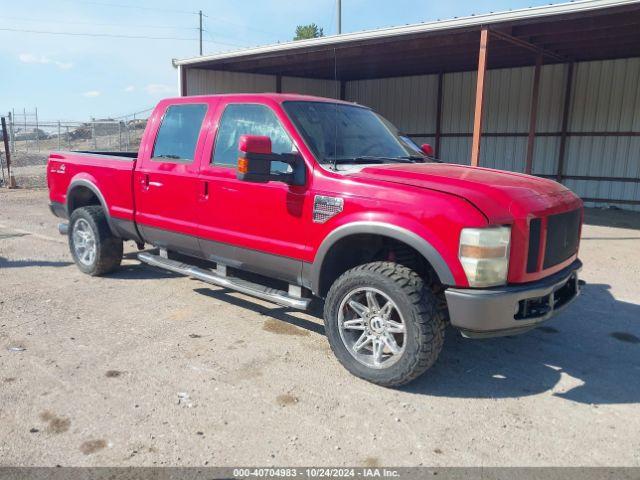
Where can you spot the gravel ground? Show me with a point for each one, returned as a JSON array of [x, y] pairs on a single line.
[[148, 368]]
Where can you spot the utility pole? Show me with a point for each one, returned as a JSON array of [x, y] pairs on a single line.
[[339, 16], [200, 28]]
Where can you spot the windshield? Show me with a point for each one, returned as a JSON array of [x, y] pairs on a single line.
[[342, 133]]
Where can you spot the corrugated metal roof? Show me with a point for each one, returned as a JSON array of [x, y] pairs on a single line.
[[441, 25]]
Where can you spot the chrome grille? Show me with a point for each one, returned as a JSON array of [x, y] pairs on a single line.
[[563, 237]]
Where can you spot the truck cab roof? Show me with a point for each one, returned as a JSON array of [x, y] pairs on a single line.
[[248, 97]]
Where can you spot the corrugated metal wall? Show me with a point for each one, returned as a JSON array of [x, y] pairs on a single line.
[[311, 86], [203, 82], [605, 98], [409, 102], [206, 82]]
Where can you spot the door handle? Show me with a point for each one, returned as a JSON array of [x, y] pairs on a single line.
[[146, 183], [205, 191]]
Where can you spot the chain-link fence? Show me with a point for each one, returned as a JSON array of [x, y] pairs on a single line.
[[31, 140], [28, 135]]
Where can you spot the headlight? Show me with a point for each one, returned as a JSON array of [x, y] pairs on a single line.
[[484, 254]]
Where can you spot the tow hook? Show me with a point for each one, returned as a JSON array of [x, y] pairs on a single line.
[[63, 228]]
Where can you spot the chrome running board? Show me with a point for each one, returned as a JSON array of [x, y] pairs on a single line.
[[243, 286]]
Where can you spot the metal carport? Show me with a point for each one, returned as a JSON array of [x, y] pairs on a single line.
[[553, 90]]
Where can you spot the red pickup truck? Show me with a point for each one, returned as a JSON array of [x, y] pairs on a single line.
[[328, 199]]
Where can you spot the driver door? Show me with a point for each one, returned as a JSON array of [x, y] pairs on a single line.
[[260, 227]]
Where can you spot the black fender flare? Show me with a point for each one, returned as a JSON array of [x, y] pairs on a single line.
[[312, 271], [83, 182]]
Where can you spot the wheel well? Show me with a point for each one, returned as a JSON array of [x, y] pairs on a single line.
[[358, 249], [81, 196]]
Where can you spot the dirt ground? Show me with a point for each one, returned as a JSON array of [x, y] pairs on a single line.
[[149, 368]]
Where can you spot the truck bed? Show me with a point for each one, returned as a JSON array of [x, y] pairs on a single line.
[[110, 174]]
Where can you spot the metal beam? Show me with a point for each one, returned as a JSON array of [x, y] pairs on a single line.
[[416, 65], [438, 116], [611, 200], [528, 45], [526, 134], [596, 22], [595, 178], [606, 31], [565, 121], [533, 113], [477, 116], [610, 42]]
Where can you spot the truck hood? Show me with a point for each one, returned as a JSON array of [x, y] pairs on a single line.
[[500, 195]]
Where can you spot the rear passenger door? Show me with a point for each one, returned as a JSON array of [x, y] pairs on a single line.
[[166, 181]]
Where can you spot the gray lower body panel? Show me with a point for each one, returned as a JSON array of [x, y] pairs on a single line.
[[512, 309], [178, 242], [274, 266], [269, 265], [125, 229]]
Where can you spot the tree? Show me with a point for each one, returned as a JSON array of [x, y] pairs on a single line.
[[308, 31]]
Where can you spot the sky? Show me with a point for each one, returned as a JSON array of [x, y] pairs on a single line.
[[100, 75]]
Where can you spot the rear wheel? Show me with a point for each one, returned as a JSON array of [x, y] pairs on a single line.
[[94, 248], [383, 323]]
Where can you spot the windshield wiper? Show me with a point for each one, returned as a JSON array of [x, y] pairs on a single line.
[[420, 159], [173, 157], [368, 159], [415, 158]]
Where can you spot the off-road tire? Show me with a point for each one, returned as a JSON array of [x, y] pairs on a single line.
[[423, 313], [108, 247]]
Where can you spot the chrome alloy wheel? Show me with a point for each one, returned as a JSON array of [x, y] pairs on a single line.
[[84, 242], [372, 328]]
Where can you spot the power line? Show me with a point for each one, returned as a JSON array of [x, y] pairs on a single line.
[[139, 7], [111, 35], [120, 25], [146, 110], [34, 20], [209, 34], [237, 24]]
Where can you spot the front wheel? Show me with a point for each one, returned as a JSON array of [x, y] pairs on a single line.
[[94, 248], [383, 323]]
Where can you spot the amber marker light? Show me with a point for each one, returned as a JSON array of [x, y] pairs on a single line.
[[243, 165]]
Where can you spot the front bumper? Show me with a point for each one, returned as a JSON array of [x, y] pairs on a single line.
[[514, 308]]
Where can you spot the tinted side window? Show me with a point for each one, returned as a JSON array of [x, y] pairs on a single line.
[[178, 133], [240, 120]]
